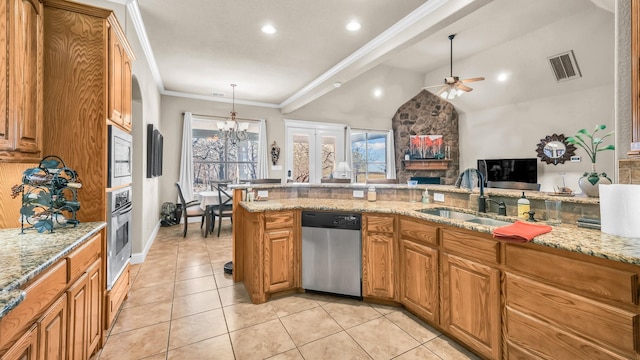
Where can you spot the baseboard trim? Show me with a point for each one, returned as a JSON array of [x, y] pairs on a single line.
[[138, 258]]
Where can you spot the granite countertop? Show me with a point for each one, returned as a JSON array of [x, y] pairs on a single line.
[[564, 236], [24, 256]]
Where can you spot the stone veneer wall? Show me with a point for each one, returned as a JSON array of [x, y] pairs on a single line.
[[629, 171], [426, 114]]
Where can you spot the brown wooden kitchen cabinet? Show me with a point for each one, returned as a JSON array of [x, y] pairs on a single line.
[[85, 313], [419, 269], [267, 251], [119, 79], [64, 306], [26, 348], [379, 257], [569, 306], [21, 76], [80, 93], [279, 252], [52, 331], [470, 309]]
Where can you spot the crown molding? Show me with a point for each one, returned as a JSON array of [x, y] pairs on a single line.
[[138, 24]]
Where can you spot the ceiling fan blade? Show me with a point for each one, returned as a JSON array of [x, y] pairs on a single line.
[[431, 86], [472, 79], [463, 87], [442, 89]]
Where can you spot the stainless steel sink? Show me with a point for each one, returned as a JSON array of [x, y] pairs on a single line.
[[487, 221], [449, 214], [459, 215]]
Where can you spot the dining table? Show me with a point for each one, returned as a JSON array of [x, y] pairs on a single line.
[[208, 202]]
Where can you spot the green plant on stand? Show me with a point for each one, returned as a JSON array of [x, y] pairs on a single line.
[[591, 143]]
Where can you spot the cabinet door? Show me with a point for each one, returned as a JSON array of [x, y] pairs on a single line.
[[94, 306], [471, 304], [419, 279], [279, 260], [116, 61], [28, 74], [52, 331], [126, 92], [26, 348], [377, 266], [21, 78], [78, 298]]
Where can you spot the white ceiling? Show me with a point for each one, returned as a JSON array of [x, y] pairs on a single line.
[[200, 47]]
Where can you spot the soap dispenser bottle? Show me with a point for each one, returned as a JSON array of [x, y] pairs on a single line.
[[524, 205]]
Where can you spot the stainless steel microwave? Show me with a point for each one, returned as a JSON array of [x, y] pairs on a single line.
[[120, 157]]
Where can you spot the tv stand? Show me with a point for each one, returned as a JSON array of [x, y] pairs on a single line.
[[516, 185]]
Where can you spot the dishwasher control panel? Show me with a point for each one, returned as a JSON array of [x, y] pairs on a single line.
[[331, 220]]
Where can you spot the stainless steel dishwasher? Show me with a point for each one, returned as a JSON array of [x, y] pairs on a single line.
[[332, 253]]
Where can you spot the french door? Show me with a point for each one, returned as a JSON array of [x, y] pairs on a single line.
[[313, 149]]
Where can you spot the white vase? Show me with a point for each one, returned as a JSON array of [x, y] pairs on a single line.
[[590, 181]]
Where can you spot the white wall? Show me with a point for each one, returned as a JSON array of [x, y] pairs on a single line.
[[514, 130], [507, 119]]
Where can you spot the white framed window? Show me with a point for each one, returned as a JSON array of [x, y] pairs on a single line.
[[313, 149], [369, 154], [216, 159]]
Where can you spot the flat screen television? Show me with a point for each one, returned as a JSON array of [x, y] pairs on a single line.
[[510, 173]]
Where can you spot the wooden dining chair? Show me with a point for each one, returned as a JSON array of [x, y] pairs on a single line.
[[190, 209], [224, 207]]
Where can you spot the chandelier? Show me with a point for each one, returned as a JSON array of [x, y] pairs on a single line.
[[232, 130]]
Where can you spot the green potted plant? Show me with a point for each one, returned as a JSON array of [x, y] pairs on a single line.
[[592, 144]]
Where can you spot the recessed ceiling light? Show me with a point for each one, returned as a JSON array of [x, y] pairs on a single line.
[[353, 25], [269, 29], [337, 84], [378, 92], [503, 77]]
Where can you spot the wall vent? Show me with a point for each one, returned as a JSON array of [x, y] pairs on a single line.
[[564, 66]]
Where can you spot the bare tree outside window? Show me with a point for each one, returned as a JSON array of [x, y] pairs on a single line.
[[216, 160], [368, 155]]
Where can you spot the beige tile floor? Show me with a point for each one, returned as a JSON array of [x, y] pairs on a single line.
[[183, 306]]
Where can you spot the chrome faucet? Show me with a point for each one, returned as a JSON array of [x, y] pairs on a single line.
[[482, 205], [502, 207]]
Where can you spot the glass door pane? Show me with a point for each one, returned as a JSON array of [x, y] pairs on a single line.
[[301, 156], [328, 157]]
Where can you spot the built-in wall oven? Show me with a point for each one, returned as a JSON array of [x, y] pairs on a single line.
[[118, 233]]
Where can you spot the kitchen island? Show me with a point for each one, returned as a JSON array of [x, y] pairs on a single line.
[[51, 291], [569, 293]]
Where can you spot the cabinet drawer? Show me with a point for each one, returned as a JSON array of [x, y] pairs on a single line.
[[471, 246], [116, 296], [381, 223], [40, 294], [570, 312], [278, 219], [418, 231], [598, 280], [527, 335], [80, 259]]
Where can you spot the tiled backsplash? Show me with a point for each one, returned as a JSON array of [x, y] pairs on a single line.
[[572, 208], [629, 171]]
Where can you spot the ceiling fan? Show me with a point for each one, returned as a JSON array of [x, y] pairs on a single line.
[[453, 86]]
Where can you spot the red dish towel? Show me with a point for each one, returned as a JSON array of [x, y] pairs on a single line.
[[520, 231]]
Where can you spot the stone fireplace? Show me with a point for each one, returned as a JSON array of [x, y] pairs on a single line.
[[426, 114]]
